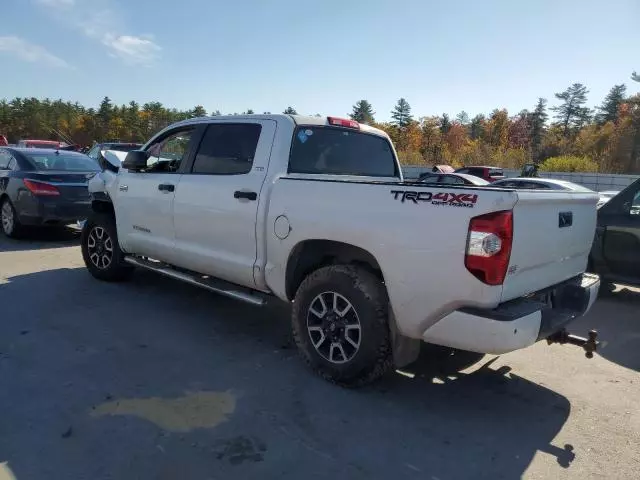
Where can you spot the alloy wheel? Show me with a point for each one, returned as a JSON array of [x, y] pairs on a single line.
[[100, 247], [7, 218], [334, 327]]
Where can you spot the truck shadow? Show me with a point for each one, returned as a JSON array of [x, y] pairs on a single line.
[[41, 239], [69, 343], [615, 316]]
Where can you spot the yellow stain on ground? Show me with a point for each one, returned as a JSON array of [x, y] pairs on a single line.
[[182, 414]]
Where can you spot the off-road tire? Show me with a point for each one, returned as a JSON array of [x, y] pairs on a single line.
[[369, 299], [117, 270], [18, 229]]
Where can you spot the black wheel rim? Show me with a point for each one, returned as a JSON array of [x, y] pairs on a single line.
[[334, 327], [100, 248]]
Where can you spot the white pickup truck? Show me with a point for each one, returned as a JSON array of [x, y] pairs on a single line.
[[315, 211]]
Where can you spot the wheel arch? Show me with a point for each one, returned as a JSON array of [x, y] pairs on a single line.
[[309, 255], [102, 205]]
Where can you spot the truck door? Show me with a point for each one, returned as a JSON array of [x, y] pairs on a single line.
[[621, 246], [144, 205], [216, 206]]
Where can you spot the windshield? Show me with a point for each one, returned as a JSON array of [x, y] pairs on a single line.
[[63, 162], [341, 151]]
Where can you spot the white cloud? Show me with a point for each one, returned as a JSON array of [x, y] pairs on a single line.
[[132, 50], [100, 21], [30, 52]]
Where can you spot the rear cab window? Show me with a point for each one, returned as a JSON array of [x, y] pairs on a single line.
[[496, 172], [320, 149]]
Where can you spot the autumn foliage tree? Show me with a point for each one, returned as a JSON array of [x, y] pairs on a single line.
[[608, 142]]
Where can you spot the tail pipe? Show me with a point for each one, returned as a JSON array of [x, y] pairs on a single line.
[[589, 344]]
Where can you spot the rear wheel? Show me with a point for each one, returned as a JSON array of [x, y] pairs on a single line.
[[100, 250], [11, 225], [340, 325]]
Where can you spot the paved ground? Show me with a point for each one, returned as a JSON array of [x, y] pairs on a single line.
[[155, 379]]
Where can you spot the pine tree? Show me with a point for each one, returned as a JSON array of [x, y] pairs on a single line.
[[401, 114], [462, 118], [572, 114], [537, 121], [363, 112], [249, 112], [476, 128], [290, 111], [198, 111], [445, 124], [611, 104]]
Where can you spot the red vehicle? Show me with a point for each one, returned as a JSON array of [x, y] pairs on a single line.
[[3, 141], [490, 174], [41, 144]]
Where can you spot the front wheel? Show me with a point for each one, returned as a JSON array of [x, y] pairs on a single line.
[[340, 325], [100, 250]]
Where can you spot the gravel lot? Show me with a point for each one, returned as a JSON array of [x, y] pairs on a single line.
[[156, 379]]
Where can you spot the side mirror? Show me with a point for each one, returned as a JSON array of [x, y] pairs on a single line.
[[135, 161]]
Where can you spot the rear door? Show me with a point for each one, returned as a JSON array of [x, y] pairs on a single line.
[[621, 246], [144, 206], [217, 201]]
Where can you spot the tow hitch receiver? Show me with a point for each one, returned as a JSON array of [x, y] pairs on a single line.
[[589, 344]]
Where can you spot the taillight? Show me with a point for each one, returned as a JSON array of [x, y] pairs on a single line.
[[489, 246], [41, 188], [343, 122]]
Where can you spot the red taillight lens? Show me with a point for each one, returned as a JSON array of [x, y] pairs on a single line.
[[489, 246], [41, 188], [343, 122]]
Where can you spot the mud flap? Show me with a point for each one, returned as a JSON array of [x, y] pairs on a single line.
[[405, 349]]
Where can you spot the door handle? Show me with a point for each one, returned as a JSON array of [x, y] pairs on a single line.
[[166, 187], [247, 195]]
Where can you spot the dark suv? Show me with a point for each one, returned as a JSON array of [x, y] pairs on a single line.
[[615, 254]]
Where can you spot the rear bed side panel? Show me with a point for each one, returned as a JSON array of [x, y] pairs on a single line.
[[545, 253], [419, 245]]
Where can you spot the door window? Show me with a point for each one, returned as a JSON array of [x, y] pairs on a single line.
[[93, 153], [167, 153], [451, 180], [5, 157], [227, 149], [635, 205]]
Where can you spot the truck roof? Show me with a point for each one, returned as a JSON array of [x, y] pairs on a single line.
[[295, 119]]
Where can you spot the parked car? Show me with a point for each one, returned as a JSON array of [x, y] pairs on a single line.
[[40, 187], [490, 174], [452, 179], [314, 211], [615, 254], [94, 152], [41, 144], [3, 141], [605, 196], [442, 169], [531, 183]]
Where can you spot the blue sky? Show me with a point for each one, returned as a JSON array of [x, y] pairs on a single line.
[[320, 56]]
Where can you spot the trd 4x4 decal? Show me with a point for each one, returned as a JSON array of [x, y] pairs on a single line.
[[467, 200]]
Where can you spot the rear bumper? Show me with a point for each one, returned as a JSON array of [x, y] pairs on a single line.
[[53, 211], [518, 323]]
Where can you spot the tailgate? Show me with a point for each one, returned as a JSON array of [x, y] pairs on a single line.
[[552, 237]]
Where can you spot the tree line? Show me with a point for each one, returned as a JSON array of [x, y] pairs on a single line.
[[569, 136]]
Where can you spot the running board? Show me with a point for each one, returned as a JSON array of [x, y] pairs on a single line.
[[214, 285]]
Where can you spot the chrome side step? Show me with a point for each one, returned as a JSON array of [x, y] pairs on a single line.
[[215, 285]]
